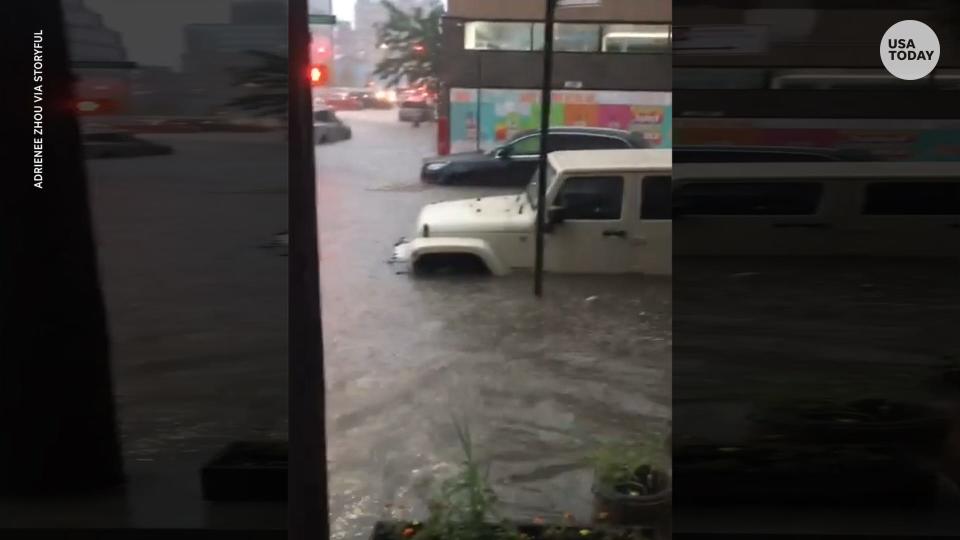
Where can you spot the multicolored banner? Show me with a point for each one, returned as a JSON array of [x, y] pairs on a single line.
[[502, 113], [895, 140]]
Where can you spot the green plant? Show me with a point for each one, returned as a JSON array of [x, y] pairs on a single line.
[[620, 463], [411, 43], [269, 76], [465, 507]]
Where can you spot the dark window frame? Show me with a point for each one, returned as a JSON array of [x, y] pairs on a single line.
[[621, 181], [659, 212], [809, 210], [888, 208]]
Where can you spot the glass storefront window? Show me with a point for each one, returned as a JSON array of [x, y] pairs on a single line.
[[498, 36], [569, 37], [636, 38]]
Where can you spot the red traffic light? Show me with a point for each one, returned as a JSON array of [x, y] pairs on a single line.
[[319, 75], [419, 48], [87, 107]]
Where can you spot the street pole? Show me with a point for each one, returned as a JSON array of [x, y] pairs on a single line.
[[544, 130], [479, 94]]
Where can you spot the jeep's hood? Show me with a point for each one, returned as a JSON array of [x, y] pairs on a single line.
[[507, 213]]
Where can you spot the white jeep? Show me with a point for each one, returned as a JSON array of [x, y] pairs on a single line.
[[608, 212]]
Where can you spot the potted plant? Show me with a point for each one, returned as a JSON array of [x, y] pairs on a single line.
[[247, 471], [951, 372], [815, 474], [465, 508], [632, 483], [857, 421]]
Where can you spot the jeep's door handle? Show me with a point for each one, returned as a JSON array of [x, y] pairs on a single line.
[[621, 234]]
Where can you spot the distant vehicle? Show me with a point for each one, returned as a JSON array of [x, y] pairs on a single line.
[[370, 99], [328, 128], [513, 163], [763, 154], [342, 101], [118, 144], [607, 211], [417, 111]]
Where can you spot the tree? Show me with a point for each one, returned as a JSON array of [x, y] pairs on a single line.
[[412, 44], [268, 79]]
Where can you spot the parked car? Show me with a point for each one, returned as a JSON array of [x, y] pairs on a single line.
[[764, 154], [327, 127], [118, 144], [608, 211], [417, 111], [513, 163]]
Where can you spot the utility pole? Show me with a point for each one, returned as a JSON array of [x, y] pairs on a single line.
[[544, 131]]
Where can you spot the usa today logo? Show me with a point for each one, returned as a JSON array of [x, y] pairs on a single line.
[[910, 50]]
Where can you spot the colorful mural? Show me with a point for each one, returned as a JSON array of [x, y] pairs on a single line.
[[502, 113], [896, 139]]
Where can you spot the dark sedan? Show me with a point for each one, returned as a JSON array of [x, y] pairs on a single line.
[[763, 154], [514, 163], [121, 145]]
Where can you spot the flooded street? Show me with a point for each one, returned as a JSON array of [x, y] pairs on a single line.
[[541, 382]]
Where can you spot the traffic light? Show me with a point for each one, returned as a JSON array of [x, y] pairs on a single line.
[[92, 107], [319, 75]]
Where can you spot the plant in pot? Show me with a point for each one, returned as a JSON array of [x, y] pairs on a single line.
[[856, 421], [633, 483], [951, 371]]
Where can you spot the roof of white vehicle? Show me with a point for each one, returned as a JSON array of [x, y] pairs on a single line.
[[611, 160]]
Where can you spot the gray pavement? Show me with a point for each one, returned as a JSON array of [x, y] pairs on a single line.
[[539, 381]]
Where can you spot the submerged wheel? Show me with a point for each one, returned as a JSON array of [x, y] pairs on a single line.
[[450, 263]]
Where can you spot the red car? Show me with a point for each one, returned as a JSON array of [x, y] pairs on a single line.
[[342, 101]]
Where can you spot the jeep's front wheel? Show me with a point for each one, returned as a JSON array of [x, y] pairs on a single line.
[[449, 263]]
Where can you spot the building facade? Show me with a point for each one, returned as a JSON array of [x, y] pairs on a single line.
[[100, 62], [612, 68], [213, 52]]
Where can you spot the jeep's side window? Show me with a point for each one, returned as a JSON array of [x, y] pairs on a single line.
[[771, 198], [912, 198], [656, 198], [592, 197]]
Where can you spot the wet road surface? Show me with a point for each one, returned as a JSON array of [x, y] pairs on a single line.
[[540, 382]]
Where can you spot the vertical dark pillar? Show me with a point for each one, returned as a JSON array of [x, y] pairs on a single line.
[[307, 461], [57, 421], [544, 130]]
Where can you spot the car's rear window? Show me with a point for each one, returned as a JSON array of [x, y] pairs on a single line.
[[414, 105]]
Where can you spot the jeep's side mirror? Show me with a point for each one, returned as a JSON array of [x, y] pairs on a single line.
[[503, 152], [556, 215]]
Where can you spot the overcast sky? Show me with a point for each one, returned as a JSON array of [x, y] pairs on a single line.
[[343, 9]]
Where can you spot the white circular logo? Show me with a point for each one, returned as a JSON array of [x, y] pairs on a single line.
[[910, 50]]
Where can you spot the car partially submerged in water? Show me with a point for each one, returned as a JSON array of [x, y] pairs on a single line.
[[607, 212]]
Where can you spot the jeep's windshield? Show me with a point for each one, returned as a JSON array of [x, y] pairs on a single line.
[[532, 189]]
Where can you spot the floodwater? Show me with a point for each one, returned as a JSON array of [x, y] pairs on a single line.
[[541, 383]]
